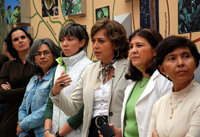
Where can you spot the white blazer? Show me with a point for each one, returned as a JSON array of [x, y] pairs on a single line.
[[157, 86]]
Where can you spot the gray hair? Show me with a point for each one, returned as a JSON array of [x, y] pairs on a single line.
[[55, 50]]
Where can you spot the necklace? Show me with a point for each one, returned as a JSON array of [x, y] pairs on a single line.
[[179, 101], [144, 83]]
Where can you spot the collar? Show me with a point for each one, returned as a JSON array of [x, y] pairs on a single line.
[[66, 62], [47, 76]]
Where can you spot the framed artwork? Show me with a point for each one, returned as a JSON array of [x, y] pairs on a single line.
[[102, 13], [17, 11], [188, 16], [149, 14], [49, 8], [73, 7]]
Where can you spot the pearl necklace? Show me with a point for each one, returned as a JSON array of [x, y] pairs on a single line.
[[179, 101], [144, 83]]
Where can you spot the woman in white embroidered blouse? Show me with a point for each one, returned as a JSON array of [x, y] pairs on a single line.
[[177, 114]]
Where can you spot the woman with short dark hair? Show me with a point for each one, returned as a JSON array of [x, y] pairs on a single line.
[[14, 77], [73, 41], [177, 114], [32, 110]]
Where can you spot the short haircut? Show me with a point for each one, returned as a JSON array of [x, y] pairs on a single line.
[[153, 37], [9, 44], [171, 43], [116, 33], [55, 50], [75, 30]]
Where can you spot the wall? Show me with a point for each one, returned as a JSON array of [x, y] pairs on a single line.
[[49, 27]]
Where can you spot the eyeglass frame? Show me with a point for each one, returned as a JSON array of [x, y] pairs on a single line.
[[45, 54]]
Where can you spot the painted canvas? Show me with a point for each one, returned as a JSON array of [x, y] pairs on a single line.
[[149, 14], [13, 13], [102, 13], [188, 16], [49, 8], [73, 7]]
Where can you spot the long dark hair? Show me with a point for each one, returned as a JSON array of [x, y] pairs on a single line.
[[153, 37], [9, 44]]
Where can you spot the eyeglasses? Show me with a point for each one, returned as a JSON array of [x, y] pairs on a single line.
[[39, 54]]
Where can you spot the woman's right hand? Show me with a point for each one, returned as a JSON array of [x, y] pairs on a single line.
[[65, 79]]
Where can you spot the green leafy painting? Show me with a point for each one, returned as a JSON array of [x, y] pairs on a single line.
[[102, 13], [71, 7]]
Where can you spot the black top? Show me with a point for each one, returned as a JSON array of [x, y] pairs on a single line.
[[18, 75]]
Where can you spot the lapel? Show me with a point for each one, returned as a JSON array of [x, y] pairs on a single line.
[[128, 91], [150, 86], [120, 68], [119, 72], [92, 80]]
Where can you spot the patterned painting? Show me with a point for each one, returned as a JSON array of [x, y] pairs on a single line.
[[71, 7], [188, 16], [49, 8], [149, 14]]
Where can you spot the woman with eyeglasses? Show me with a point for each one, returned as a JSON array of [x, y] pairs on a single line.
[[32, 110], [14, 77]]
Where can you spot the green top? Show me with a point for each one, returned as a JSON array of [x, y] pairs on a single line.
[[131, 128]]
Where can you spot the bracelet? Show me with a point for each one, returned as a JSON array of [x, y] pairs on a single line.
[[57, 134], [46, 130]]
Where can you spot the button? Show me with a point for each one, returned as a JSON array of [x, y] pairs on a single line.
[[110, 113], [139, 112], [32, 89], [141, 129]]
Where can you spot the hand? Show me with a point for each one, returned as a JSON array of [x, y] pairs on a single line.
[[64, 78], [117, 131], [19, 129], [6, 86], [48, 134], [155, 134]]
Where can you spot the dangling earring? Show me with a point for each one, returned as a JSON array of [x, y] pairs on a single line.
[[166, 75], [117, 53]]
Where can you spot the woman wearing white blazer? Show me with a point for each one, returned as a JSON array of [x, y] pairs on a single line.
[[147, 84], [101, 86]]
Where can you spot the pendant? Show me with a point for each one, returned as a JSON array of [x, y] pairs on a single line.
[[172, 111]]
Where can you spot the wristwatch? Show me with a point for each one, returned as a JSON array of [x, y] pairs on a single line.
[[57, 134]]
